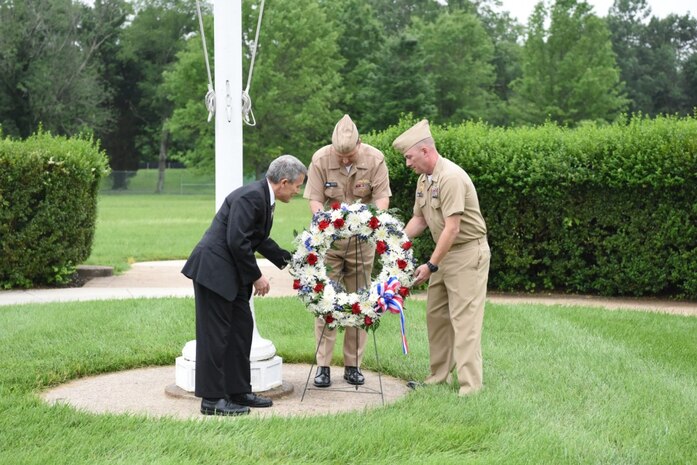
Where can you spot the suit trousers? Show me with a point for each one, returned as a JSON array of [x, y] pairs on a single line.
[[455, 314], [351, 266], [223, 343]]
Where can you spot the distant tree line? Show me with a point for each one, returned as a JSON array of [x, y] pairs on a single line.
[[133, 73]]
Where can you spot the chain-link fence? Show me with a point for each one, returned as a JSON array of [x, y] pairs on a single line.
[[179, 181]]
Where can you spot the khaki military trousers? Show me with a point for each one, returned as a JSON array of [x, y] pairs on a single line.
[[455, 313], [351, 266]]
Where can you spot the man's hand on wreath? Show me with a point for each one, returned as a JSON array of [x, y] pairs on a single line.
[[421, 274]]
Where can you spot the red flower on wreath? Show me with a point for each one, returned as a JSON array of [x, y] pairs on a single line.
[[338, 223], [374, 223], [312, 258], [368, 321], [356, 308], [403, 291], [381, 247], [336, 205], [401, 264], [296, 284], [324, 224], [406, 245], [328, 318], [319, 287]]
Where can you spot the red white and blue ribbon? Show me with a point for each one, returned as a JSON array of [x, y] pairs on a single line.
[[389, 299]]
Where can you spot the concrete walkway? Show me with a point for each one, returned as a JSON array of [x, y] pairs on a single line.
[[145, 279], [144, 391], [147, 391], [164, 279]]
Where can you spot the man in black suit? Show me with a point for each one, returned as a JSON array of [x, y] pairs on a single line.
[[224, 271]]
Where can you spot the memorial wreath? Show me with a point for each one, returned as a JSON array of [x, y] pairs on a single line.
[[328, 299]]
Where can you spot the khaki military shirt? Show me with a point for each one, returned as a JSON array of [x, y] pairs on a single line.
[[449, 192], [328, 181]]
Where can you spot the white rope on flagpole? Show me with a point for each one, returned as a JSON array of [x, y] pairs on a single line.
[[210, 95], [247, 113]]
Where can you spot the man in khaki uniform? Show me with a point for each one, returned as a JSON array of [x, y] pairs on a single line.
[[446, 202], [346, 171]]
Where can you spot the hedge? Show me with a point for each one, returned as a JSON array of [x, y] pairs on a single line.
[[48, 205], [606, 210]]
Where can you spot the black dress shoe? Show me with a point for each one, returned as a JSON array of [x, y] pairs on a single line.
[[251, 400], [414, 385], [222, 407], [322, 377], [353, 375]]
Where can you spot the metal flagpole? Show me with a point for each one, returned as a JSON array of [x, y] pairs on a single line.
[[228, 132], [266, 367], [227, 24]]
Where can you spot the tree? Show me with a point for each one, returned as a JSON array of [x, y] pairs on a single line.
[[402, 86], [185, 84], [49, 74], [457, 54], [296, 84], [690, 82], [569, 69], [505, 33], [396, 15], [294, 91], [146, 48], [118, 138], [652, 54], [668, 42], [625, 21], [361, 41]]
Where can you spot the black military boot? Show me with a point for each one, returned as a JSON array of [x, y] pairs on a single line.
[[353, 375], [322, 377]]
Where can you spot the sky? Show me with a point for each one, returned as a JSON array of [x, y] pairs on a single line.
[[521, 9]]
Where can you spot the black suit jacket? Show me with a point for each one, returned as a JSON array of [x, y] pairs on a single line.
[[224, 261]]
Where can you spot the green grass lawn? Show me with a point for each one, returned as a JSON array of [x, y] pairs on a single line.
[[137, 228], [562, 386]]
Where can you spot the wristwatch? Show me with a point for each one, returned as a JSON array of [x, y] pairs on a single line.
[[431, 267]]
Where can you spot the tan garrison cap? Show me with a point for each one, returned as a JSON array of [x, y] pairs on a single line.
[[412, 136], [345, 136]]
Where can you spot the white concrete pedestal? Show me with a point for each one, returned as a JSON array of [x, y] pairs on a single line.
[[265, 374], [185, 372], [266, 366]]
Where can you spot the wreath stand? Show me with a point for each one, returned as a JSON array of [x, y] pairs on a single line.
[[365, 389]]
